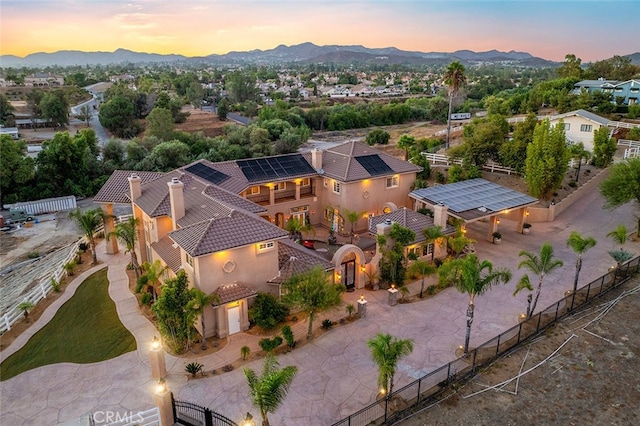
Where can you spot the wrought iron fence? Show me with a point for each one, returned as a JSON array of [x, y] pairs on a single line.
[[190, 414], [392, 407]]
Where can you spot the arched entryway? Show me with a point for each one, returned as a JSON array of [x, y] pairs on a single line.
[[349, 263], [389, 207]]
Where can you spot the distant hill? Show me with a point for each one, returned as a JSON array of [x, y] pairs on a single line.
[[635, 58], [304, 52]]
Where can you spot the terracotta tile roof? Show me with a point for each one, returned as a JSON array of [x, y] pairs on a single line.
[[233, 200], [408, 219], [170, 255], [294, 259], [340, 162], [116, 188], [154, 199], [236, 229], [231, 292]]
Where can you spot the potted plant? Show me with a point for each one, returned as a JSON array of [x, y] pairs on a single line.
[[526, 228], [497, 237]]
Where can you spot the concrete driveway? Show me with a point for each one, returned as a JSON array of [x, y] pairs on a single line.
[[336, 376]]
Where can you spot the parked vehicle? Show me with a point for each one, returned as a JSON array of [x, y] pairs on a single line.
[[20, 215]]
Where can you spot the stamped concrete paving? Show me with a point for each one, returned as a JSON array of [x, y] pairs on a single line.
[[336, 375]]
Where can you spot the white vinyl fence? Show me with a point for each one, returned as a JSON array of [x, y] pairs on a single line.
[[445, 160], [43, 288]]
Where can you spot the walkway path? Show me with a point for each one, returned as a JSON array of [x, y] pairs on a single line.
[[336, 375]]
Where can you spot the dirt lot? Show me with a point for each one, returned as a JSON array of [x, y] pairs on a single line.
[[203, 121], [594, 379]]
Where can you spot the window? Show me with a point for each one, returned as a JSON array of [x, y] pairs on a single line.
[[266, 245], [567, 126], [392, 182], [190, 260], [336, 187], [254, 190], [427, 250], [306, 182], [586, 127], [281, 186], [634, 90], [328, 213], [415, 250]]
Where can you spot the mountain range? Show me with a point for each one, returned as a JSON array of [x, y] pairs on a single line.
[[301, 53]]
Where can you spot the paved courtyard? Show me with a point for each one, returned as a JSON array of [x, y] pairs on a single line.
[[336, 375]]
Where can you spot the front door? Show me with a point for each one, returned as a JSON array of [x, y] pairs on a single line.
[[349, 274], [234, 319], [280, 220]]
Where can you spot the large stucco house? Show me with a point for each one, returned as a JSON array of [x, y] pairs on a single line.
[[223, 223]]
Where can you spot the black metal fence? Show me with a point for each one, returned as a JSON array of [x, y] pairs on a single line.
[[190, 414], [430, 386]]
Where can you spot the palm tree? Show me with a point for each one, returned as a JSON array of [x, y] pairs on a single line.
[[25, 307], [153, 272], [386, 351], [405, 142], [432, 234], [199, 302], [580, 246], [454, 78], [619, 235], [269, 390], [352, 216], [89, 221], [540, 266], [127, 232], [473, 277], [422, 269]]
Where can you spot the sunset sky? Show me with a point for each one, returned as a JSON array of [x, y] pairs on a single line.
[[592, 30]]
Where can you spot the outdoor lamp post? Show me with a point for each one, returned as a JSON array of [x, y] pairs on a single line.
[[248, 420], [156, 359], [161, 386], [162, 397]]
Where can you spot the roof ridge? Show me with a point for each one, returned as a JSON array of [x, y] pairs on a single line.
[[349, 160], [196, 246]]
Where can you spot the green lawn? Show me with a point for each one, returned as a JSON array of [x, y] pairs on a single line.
[[85, 329]]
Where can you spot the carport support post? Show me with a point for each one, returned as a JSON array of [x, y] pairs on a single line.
[[493, 227]]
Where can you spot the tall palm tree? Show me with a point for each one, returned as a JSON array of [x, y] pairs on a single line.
[[540, 266], [432, 234], [422, 269], [455, 78], [127, 232], [580, 246], [198, 303], [89, 221], [386, 351], [472, 277], [269, 390], [406, 142]]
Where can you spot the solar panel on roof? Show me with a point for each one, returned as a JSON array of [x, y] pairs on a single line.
[[207, 173], [374, 165], [258, 169]]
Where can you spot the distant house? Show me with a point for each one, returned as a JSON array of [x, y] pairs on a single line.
[[622, 92], [580, 126], [43, 79]]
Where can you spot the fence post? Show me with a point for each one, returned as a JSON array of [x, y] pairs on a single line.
[[386, 405], [498, 345], [475, 353], [539, 319], [208, 418], [6, 321], [44, 292], [419, 383], [519, 332]]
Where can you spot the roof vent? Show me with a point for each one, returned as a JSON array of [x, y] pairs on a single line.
[[134, 175], [320, 171], [175, 180], [387, 222]]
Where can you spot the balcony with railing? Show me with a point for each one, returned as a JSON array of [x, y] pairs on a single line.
[[281, 196]]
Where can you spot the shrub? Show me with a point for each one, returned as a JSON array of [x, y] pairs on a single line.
[[227, 368], [377, 136], [83, 247], [573, 184], [33, 255], [142, 281], [55, 285], [146, 299], [425, 211], [69, 267], [440, 177], [350, 309], [456, 174], [327, 324], [287, 332], [193, 368], [267, 311], [244, 352], [438, 262], [431, 290], [269, 345]]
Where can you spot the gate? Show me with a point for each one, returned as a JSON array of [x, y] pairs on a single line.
[[349, 274], [190, 414]]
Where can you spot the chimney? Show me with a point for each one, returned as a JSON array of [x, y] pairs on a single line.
[[316, 158], [384, 228], [134, 186], [176, 198], [440, 215]]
